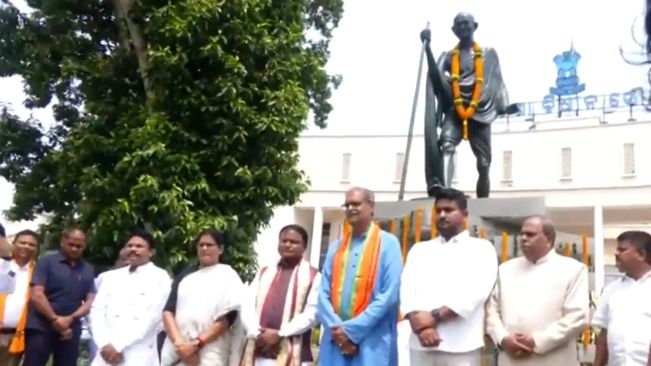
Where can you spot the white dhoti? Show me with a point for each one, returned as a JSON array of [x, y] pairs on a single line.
[[437, 358], [269, 362]]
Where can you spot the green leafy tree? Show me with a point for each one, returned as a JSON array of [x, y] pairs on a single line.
[[169, 115]]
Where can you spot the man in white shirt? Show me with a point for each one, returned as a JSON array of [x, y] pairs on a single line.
[[445, 284], [13, 303], [540, 303], [624, 310], [126, 314]]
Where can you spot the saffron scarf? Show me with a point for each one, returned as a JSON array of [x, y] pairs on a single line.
[[365, 276], [300, 284], [17, 345]]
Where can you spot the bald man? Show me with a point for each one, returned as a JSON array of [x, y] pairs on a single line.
[[540, 303], [62, 292]]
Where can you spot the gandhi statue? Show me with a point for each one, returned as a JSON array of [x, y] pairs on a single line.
[[462, 105]]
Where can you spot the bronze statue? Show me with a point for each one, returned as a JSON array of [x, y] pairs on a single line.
[[465, 94]]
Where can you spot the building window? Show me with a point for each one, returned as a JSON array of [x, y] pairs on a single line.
[[629, 159], [566, 163], [507, 166], [400, 163], [345, 167]]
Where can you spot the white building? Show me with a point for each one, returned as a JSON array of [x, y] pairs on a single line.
[[594, 173]]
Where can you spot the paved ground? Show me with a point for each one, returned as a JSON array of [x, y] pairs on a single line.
[[84, 361]]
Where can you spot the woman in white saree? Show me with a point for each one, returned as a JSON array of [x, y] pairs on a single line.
[[201, 317]]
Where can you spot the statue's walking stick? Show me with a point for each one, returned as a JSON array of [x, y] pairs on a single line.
[[410, 134]]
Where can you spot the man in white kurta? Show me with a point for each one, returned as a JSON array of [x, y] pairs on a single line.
[[126, 315], [446, 281], [624, 310], [540, 303]]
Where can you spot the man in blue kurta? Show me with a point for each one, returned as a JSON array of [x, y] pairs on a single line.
[[359, 293]]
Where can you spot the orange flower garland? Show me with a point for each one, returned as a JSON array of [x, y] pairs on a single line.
[[466, 113]]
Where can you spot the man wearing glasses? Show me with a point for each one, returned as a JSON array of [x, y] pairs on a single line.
[[359, 294]]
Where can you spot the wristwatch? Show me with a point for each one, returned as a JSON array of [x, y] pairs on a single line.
[[437, 315], [198, 343]]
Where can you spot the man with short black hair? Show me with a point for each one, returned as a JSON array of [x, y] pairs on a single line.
[[442, 299], [17, 272], [126, 314], [62, 293], [280, 309], [624, 310]]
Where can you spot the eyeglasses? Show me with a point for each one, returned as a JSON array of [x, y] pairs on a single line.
[[351, 205]]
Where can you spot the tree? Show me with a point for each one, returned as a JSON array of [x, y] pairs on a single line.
[[169, 115]]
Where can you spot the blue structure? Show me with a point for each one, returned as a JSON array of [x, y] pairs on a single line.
[[564, 96], [567, 80]]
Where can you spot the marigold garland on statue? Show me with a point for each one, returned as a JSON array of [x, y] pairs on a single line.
[[467, 113]]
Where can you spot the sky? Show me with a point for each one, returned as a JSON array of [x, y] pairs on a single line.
[[376, 49]]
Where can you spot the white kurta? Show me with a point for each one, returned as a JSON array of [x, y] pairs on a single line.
[[85, 322], [548, 299], [203, 297], [127, 312], [460, 274], [625, 311]]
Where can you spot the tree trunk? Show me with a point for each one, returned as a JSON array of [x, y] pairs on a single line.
[[130, 30]]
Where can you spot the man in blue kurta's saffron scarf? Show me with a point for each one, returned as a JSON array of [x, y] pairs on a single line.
[[358, 298]]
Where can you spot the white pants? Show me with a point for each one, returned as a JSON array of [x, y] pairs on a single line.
[[437, 358], [259, 361]]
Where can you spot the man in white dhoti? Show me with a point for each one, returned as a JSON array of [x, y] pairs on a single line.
[[201, 316], [624, 310], [280, 310], [125, 316], [540, 303], [445, 284]]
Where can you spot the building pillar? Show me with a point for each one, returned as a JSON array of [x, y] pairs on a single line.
[[336, 230], [599, 247], [316, 239]]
